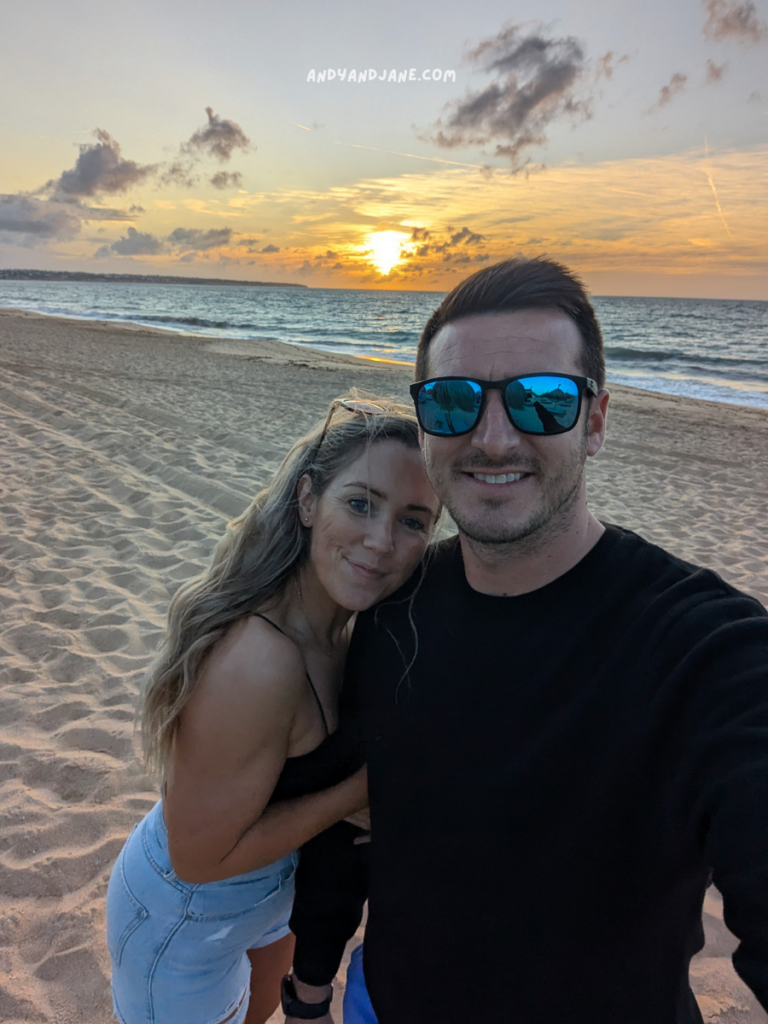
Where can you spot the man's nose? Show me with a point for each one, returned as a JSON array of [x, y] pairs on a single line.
[[494, 433]]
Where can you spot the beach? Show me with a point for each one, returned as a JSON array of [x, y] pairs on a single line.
[[123, 453]]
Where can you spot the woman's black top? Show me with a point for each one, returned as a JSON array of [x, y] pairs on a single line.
[[335, 759], [332, 878]]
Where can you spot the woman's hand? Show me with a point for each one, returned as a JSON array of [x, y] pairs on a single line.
[[361, 819]]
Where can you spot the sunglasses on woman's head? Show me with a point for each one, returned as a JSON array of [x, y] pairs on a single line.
[[352, 405], [537, 403]]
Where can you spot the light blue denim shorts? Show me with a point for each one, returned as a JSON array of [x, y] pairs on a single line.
[[179, 950]]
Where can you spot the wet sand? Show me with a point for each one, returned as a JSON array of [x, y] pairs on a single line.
[[123, 452]]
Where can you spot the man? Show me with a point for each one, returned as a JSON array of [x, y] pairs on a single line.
[[566, 727]]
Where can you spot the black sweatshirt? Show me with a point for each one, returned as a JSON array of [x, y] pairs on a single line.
[[553, 783]]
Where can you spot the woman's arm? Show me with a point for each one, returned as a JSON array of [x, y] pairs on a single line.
[[286, 826], [233, 739]]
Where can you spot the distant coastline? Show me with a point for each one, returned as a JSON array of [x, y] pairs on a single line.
[[77, 275]]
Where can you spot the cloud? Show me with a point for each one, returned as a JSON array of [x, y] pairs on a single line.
[[179, 172], [226, 179], [715, 72], [188, 240], [729, 19], [461, 237], [271, 248], [607, 64], [219, 138], [536, 82], [196, 238], [466, 236], [136, 243], [99, 168], [755, 97], [668, 92], [26, 220]]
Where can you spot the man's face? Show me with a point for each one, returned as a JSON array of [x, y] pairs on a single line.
[[539, 503]]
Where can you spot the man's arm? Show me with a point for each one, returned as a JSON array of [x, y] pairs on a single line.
[[727, 772]]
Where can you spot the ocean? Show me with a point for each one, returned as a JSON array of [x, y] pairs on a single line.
[[715, 349]]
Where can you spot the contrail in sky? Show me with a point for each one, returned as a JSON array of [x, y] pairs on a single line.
[[413, 156], [302, 126], [714, 193], [627, 192]]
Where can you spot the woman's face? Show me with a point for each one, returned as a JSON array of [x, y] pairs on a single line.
[[371, 525]]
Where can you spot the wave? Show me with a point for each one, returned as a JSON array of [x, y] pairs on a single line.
[[703, 359], [647, 354], [359, 337], [196, 321]]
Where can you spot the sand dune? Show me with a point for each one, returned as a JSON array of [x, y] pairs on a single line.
[[122, 455]]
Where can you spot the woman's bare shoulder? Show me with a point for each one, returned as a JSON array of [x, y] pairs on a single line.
[[254, 664]]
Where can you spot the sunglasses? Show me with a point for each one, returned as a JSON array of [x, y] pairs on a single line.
[[539, 403], [352, 405]]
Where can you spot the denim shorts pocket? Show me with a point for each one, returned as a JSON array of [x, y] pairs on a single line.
[[242, 895], [124, 912]]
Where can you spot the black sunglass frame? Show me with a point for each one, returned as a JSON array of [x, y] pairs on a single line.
[[583, 383]]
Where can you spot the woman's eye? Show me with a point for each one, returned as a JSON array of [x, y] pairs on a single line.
[[359, 504], [414, 524]]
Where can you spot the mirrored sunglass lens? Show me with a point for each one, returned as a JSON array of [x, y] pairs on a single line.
[[449, 406], [543, 405]]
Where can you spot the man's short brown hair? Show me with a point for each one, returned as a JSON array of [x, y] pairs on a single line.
[[517, 284]]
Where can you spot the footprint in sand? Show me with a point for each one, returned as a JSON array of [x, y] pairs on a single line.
[[61, 714], [16, 1008], [72, 781], [75, 980], [107, 639], [95, 740]]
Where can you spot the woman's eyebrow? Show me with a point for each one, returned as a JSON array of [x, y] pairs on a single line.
[[362, 485]]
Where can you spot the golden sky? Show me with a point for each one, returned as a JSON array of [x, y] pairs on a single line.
[[161, 141], [686, 215]]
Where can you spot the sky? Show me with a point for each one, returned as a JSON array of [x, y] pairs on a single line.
[[389, 145]]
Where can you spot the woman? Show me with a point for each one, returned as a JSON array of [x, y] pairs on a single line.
[[240, 715]]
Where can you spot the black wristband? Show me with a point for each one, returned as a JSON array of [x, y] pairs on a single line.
[[295, 1007]]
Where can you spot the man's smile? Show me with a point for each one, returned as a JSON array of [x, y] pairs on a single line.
[[499, 478]]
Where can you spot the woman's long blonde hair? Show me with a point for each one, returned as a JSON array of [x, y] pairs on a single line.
[[261, 552]]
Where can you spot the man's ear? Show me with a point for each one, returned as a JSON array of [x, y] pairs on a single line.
[[307, 501], [598, 411]]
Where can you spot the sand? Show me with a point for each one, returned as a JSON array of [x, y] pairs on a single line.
[[123, 452]]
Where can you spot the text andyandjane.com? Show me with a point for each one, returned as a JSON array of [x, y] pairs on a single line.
[[372, 75]]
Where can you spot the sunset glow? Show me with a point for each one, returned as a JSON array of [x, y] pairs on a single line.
[[386, 249], [632, 153]]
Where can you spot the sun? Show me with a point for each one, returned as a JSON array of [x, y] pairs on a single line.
[[386, 249]]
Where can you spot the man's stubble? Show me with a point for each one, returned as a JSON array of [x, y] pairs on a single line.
[[498, 541]]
